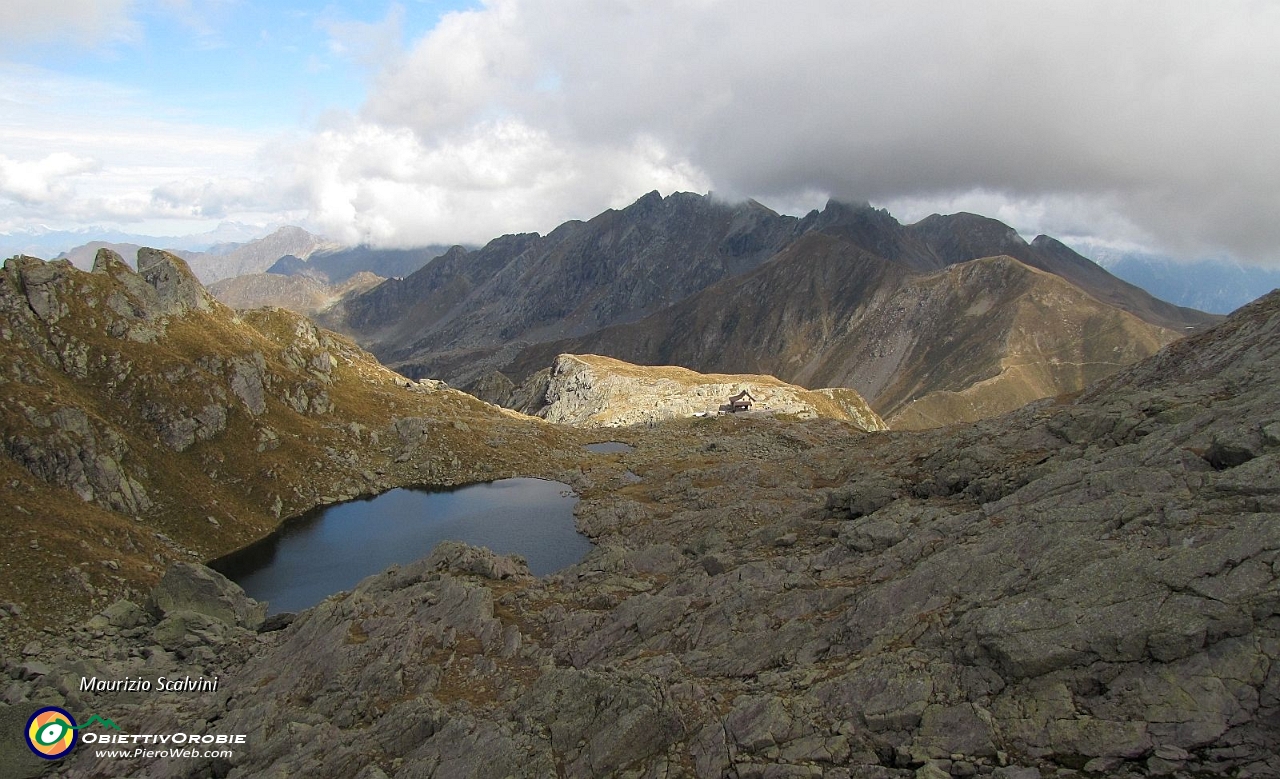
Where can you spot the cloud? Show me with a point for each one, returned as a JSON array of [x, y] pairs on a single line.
[[367, 183], [1145, 122], [1157, 119], [113, 161], [203, 18], [216, 198], [372, 45], [42, 181], [81, 21]]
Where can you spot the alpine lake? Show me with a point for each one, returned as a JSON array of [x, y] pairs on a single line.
[[330, 549]]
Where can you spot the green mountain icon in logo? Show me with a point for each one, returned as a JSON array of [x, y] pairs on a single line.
[[103, 721]]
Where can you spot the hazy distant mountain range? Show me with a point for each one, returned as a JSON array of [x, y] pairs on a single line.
[[1216, 286], [336, 265], [44, 242], [222, 261], [314, 286], [289, 251]]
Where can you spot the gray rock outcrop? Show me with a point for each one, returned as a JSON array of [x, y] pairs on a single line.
[[143, 423], [177, 288], [593, 391]]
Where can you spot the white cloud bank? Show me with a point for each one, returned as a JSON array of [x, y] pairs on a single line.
[[1152, 122], [387, 185], [79, 152], [1146, 121], [42, 182]]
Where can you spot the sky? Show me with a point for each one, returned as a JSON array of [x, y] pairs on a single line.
[[1150, 126]]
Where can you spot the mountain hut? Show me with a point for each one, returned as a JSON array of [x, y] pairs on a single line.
[[741, 402]]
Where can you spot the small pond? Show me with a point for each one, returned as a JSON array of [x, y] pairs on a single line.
[[333, 548], [608, 447]]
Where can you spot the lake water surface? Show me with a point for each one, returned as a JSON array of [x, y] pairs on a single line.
[[608, 447], [333, 548]]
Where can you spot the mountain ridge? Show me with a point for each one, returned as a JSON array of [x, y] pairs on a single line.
[[334, 265], [221, 261], [536, 287], [301, 293], [514, 304]]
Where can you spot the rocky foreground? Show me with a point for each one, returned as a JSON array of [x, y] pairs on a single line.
[[1081, 588]]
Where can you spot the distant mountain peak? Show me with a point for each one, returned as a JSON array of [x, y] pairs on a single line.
[[836, 205], [756, 205], [958, 234]]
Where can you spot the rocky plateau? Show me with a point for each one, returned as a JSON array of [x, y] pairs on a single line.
[[587, 390]]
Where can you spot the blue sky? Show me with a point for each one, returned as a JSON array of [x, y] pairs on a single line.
[[153, 91], [248, 64], [251, 65], [1143, 124]]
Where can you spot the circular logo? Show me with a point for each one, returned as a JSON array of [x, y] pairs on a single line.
[[51, 733]]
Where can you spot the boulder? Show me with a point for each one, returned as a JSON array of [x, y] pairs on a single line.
[[190, 587], [865, 495], [125, 614], [461, 558], [181, 630]]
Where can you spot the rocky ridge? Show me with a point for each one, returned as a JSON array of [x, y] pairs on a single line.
[[144, 422], [222, 261], [1085, 587]]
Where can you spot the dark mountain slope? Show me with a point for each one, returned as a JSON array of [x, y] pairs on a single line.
[[400, 312], [779, 319], [965, 342], [617, 267], [876, 231]]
